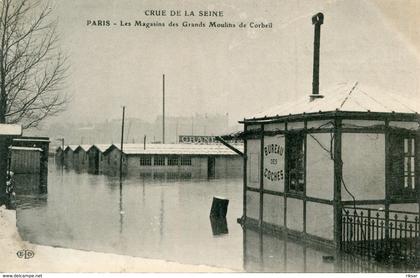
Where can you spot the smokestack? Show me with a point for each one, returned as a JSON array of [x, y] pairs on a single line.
[[317, 21]]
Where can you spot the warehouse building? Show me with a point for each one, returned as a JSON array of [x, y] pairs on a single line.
[[95, 157], [69, 156], [80, 158], [29, 156], [174, 160]]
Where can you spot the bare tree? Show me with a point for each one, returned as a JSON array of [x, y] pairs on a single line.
[[32, 68]]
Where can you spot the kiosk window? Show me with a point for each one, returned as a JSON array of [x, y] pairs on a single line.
[[402, 165], [295, 163]]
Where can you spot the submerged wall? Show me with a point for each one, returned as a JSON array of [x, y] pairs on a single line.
[[286, 209], [363, 156]]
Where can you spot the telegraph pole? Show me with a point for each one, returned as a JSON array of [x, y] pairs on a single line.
[[122, 142], [163, 113]]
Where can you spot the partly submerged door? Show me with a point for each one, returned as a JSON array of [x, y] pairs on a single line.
[[211, 165]]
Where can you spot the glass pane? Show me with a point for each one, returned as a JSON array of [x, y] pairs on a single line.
[[412, 165], [405, 145], [405, 182], [412, 146]]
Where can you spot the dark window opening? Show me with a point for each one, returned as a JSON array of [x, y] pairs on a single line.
[[295, 163], [173, 160], [186, 160], [402, 166], [159, 160], [145, 160]]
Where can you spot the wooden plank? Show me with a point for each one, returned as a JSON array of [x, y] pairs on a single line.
[[298, 196]]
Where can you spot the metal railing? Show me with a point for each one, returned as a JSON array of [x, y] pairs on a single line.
[[386, 236]]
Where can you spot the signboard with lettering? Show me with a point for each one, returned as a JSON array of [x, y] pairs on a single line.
[[10, 130], [273, 172], [197, 139]]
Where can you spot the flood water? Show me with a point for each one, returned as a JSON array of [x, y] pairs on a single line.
[[161, 218]]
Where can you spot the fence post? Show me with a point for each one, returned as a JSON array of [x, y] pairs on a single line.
[[338, 176], [417, 238], [369, 231], [386, 227]]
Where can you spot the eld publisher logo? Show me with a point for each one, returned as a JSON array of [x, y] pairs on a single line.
[[25, 254]]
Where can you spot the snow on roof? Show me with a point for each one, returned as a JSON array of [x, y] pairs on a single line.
[[7, 129], [349, 97], [179, 149], [25, 148], [31, 140], [101, 147], [71, 147], [83, 147]]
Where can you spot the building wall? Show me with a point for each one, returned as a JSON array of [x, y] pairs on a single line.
[[253, 205], [27, 184], [59, 156], [92, 155], [225, 166], [81, 160], [37, 142], [229, 166], [111, 163], [363, 156], [102, 162], [320, 166], [68, 158], [273, 207], [320, 220], [294, 214], [319, 182], [25, 161], [253, 163]]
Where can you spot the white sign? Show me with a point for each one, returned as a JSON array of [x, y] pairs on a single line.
[[274, 162], [10, 130]]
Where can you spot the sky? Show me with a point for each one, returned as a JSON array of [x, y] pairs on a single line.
[[230, 70]]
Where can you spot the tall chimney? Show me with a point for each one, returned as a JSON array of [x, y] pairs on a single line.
[[317, 21]]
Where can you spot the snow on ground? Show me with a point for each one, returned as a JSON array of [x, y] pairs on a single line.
[[51, 259]]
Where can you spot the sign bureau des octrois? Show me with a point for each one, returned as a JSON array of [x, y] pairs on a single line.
[[195, 139]]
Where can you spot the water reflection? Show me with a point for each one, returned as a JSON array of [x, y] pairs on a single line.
[[121, 208], [267, 253], [164, 219], [141, 216], [219, 226]]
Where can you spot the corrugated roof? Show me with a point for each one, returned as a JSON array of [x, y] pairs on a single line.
[[179, 149], [349, 97]]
